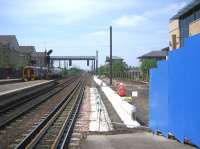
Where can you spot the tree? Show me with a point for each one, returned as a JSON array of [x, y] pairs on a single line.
[[103, 70], [118, 66], [65, 71], [74, 71], [146, 65]]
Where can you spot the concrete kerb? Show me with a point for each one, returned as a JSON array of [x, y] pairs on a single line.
[[122, 131], [25, 91], [8, 81], [123, 109]]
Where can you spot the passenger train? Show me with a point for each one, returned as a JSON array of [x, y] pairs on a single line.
[[31, 73]]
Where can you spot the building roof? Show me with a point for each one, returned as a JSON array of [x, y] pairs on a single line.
[[165, 49], [8, 39], [186, 9], [154, 54]]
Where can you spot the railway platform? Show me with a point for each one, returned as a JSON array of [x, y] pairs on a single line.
[[15, 87], [140, 140], [6, 81], [125, 137]]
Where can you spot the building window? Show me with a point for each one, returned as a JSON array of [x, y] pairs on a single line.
[[174, 41]]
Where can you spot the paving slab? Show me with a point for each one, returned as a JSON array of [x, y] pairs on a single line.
[[141, 140], [8, 88], [5, 81]]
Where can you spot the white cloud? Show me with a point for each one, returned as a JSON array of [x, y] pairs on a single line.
[[147, 17], [99, 33], [62, 11], [168, 10], [129, 21]]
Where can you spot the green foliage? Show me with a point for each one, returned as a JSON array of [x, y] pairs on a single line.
[[65, 71], [74, 71], [146, 65], [117, 66], [103, 69]]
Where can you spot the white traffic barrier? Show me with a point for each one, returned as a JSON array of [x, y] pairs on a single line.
[[123, 109]]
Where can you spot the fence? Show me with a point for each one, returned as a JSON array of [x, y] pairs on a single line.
[[128, 75], [174, 100]]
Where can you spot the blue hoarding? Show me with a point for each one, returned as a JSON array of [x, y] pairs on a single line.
[[174, 97]]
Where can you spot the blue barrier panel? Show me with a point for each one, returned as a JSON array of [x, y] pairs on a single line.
[[153, 96], [192, 103], [159, 98], [176, 94], [163, 98]]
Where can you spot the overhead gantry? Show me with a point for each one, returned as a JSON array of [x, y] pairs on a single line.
[[69, 59]]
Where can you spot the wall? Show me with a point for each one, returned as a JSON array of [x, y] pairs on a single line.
[[174, 93], [174, 30], [4, 57], [10, 58], [39, 59], [194, 28]]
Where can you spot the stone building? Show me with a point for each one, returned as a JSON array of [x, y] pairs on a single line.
[[25, 55], [39, 59], [8, 54], [14, 57]]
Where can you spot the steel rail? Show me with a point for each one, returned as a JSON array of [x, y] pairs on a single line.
[[12, 104], [67, 130], [8, 119], [31, 140]]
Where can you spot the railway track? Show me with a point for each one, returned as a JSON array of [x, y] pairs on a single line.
[[12, 110], [21, 120], [55, 130]]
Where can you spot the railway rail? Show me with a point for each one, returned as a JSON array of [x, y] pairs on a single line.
[[55, 130], [9, 111], [16, 123]]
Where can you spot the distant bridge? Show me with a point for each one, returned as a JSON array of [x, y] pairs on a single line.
[[94, 60], [61, 58]]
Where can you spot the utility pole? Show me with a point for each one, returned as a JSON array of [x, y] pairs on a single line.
[[110, 55], [97, 62], [94, 67]]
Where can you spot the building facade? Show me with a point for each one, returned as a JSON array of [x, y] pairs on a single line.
[[25, 53], [9, 55], [184, 24], [14, 57], [39, 59]]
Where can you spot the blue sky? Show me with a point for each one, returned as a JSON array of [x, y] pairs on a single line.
[[80, 27]]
